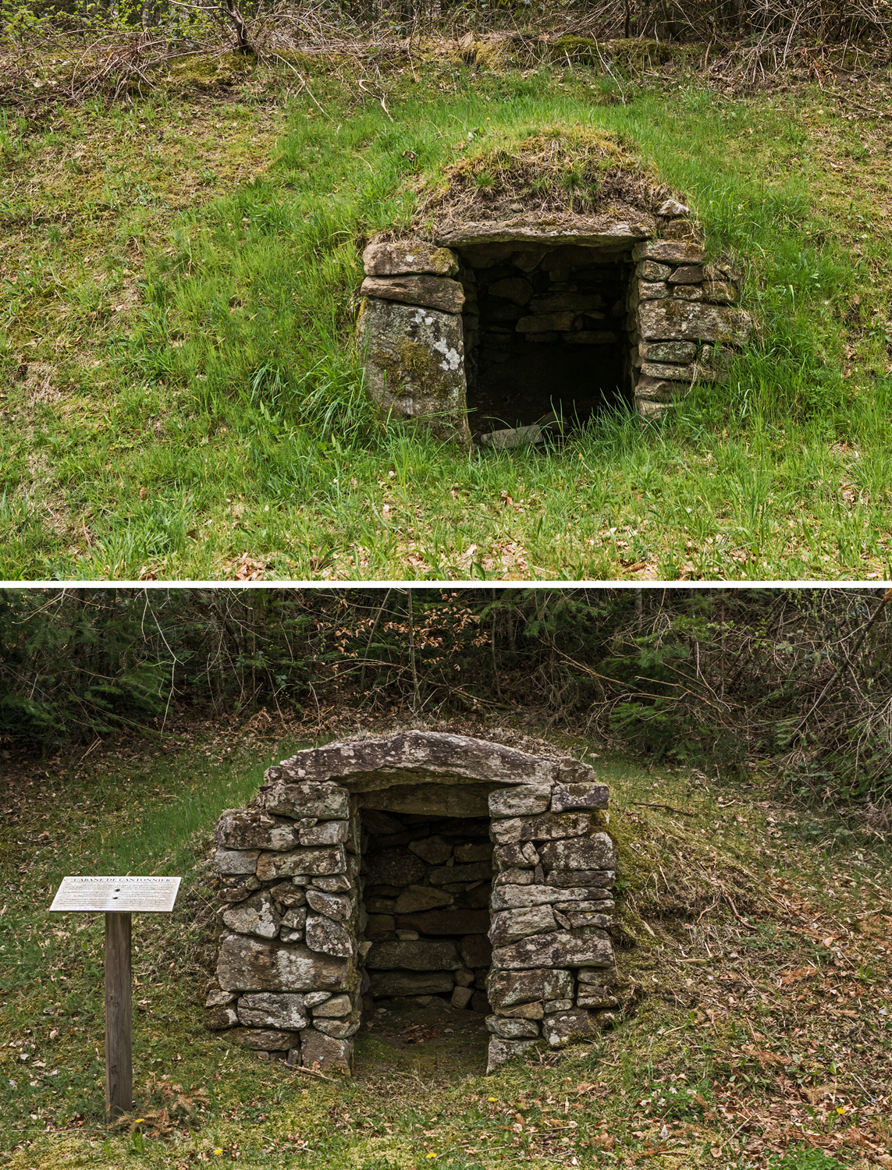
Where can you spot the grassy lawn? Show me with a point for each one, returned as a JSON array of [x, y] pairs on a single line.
[[754, 959], [179, 396]]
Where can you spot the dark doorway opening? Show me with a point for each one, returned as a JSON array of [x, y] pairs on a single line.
[[546, 332], [426, 883]]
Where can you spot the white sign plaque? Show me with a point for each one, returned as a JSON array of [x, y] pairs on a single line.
[[156, 894]]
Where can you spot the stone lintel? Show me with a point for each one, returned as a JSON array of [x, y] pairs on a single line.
[[550, 230]]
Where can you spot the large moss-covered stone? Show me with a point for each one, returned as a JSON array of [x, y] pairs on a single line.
[[396, 257], [673, 320], [409, 756], [249, 964], [414, 364]]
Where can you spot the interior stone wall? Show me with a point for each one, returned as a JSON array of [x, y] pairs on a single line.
[[426, 889], [321, 896], [419, 313]]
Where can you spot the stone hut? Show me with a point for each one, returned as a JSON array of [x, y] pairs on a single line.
[[491, 328], [422, 864]]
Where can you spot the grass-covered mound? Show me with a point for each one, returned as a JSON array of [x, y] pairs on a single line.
[[180, 397], [567, 168], [754, 962]]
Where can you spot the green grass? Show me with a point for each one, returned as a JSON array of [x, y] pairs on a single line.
[[755, 967], [180, 397]]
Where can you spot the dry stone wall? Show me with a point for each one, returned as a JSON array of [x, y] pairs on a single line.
[[417, 322], [328, 901]]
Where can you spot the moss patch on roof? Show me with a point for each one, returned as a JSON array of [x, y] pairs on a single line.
[[558, 168]]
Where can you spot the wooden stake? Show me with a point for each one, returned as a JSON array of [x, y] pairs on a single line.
[[118, 1016]]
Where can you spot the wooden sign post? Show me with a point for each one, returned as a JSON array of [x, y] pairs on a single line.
[[116, 898]]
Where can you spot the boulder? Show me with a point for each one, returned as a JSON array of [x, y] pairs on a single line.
[[236, 861], [508, 897], [501, 1051], [512, 1029], [336, 906], [569, 1027], [327, 1052], [573, 797], [322, 801], [335, 1006], [324, 833], [264, 1039], [339, 1028], [673, 320], [673, 251], [517, 854], [544, 828], [236, 889], [335, 883], [584, 877], [681, 352]]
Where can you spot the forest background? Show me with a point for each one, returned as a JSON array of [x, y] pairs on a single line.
[[729, 680]]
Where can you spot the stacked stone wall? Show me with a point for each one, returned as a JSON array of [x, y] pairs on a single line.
[[426, 894], [509, 913], [288, 966], [552, 958], [682, 322]]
